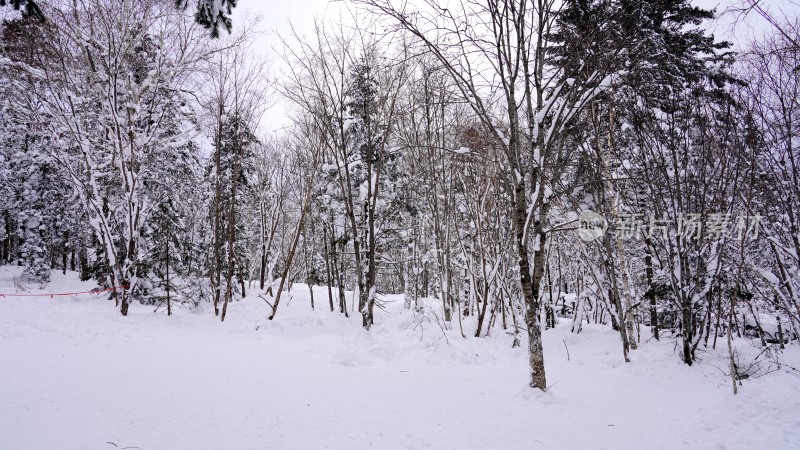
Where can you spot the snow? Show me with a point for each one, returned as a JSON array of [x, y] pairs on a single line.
[[769, 276], [78, 375]]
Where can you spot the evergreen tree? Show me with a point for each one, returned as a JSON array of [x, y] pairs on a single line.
[[674, 78], [211, 14], [30, 167], [28, 7], [232, 172], [165, 235], [366, 158]]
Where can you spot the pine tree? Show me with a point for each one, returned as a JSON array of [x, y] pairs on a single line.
[[165, 236], [366, 159], [28, 7], [673, 74], [6, 197], [234, 167], [212, 14], [34, 196]]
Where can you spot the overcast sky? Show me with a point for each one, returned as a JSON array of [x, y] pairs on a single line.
[[276, 14], [275, 17]]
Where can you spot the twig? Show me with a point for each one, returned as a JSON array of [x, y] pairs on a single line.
[[115, 445], [422, 330], [440, 326], [547, 389], [262, 298]]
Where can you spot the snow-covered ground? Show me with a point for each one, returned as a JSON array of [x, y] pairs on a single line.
[[75, 374]]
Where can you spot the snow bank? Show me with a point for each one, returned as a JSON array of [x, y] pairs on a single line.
[[78, 375]]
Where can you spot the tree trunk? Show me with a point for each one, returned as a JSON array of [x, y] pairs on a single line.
[[686, 332], [615, 299], [231, 222], [327, 266], [530, 287], [169, 305], [293, 247], [215, 275]]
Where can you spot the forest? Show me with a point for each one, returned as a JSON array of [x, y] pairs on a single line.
[[504, 167]]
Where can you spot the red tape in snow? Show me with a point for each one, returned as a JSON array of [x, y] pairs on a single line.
[[65, 294]]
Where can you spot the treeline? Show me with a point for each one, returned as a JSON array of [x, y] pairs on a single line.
[[605, 161]]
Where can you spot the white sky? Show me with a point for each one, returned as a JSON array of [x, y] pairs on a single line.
[[275, 17], [276, 14], [740, 32]]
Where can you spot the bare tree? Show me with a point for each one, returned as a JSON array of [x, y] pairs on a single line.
[[497, 55], [335, 80], [235, 92]]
